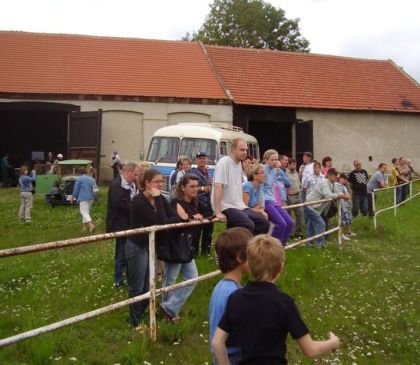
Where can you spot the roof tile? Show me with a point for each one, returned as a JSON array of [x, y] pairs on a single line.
[[72, 64], [262, 77]]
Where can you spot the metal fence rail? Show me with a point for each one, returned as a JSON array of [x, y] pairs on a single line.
[[153, 291], [395, 205]]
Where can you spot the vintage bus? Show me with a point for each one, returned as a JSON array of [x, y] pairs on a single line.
[[187, 139]]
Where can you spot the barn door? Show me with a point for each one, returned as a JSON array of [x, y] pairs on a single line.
[[304, 139], [84, 137]]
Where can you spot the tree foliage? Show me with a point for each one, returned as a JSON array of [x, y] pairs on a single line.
[[250, 24]]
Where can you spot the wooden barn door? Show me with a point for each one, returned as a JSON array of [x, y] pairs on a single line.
[[84, 137], [304, 139]]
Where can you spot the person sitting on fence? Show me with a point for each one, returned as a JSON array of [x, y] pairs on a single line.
[[310, 181], [149, 207], [260, 316], [358, 179], [283, 224], [346, 216], [377, 181], [252, 190], [226, 195], [315, 224], [188, 207], [230, 248], [293, 198]]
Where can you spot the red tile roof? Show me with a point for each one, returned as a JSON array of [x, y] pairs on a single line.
[[71, 64], [260, 77], [34, 63]]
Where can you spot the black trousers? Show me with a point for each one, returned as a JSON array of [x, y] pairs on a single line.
[[246, 218], [204, 232]]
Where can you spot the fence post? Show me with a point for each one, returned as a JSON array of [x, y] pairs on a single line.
[[372, 197], [339, 222], [411, 189], [152, 284], [395, 201]]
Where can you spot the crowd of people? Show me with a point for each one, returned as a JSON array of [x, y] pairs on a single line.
[[245, 323]]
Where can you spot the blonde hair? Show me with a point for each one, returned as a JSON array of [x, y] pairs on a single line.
[[268, 153], [252, 170], [266, 257]]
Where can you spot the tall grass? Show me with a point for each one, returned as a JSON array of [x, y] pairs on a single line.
[[366, 292]]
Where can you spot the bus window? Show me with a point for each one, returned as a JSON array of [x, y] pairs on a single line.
[[191, 146], [163, 149], [223, 149], [253, 150]]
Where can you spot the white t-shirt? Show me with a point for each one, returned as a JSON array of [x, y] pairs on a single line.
[[230, 174], [305, 170]]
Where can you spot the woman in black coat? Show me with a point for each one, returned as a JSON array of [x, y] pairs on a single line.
[[149, 208]]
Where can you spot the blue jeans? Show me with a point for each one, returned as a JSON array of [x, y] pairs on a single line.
[[314, 225], [360, 203], [120, 261], [138, 278], [281, 219], [174, 300], [399, 192]]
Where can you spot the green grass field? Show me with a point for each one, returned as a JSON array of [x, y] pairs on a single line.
[[366, 292]]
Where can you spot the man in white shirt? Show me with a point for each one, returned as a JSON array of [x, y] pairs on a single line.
[[226, 195]]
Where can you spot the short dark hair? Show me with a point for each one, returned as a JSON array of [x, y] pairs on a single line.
[[230, 245], [308, 154], [325, 160], [394, 160], [382, 164], [292, 160], [316, 163], [148, 176], [332, 171]]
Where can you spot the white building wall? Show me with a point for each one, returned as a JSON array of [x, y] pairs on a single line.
[[350, 135]]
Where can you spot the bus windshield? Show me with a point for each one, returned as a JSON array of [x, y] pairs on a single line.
[[163, 149], [191, 146]]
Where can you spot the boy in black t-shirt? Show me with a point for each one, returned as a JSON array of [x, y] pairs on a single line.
[[262, 316]]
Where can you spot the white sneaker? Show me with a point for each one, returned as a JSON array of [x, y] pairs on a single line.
[[345, 238], [352, 234]]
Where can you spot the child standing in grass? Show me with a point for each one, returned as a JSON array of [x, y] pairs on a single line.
[[230, 248], [261, 316]]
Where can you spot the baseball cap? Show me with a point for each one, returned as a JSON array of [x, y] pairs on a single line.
[[201, 154]]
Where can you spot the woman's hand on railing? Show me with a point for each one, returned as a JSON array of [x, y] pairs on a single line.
[[198, 217]]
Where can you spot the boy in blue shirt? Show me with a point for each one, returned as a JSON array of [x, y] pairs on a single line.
[[230, 248], [261, 316]]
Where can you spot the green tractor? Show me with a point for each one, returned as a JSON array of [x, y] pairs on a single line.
[[57, 181]]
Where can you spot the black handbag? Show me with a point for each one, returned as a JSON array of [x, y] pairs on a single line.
[[331, 211], [177, 248]]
